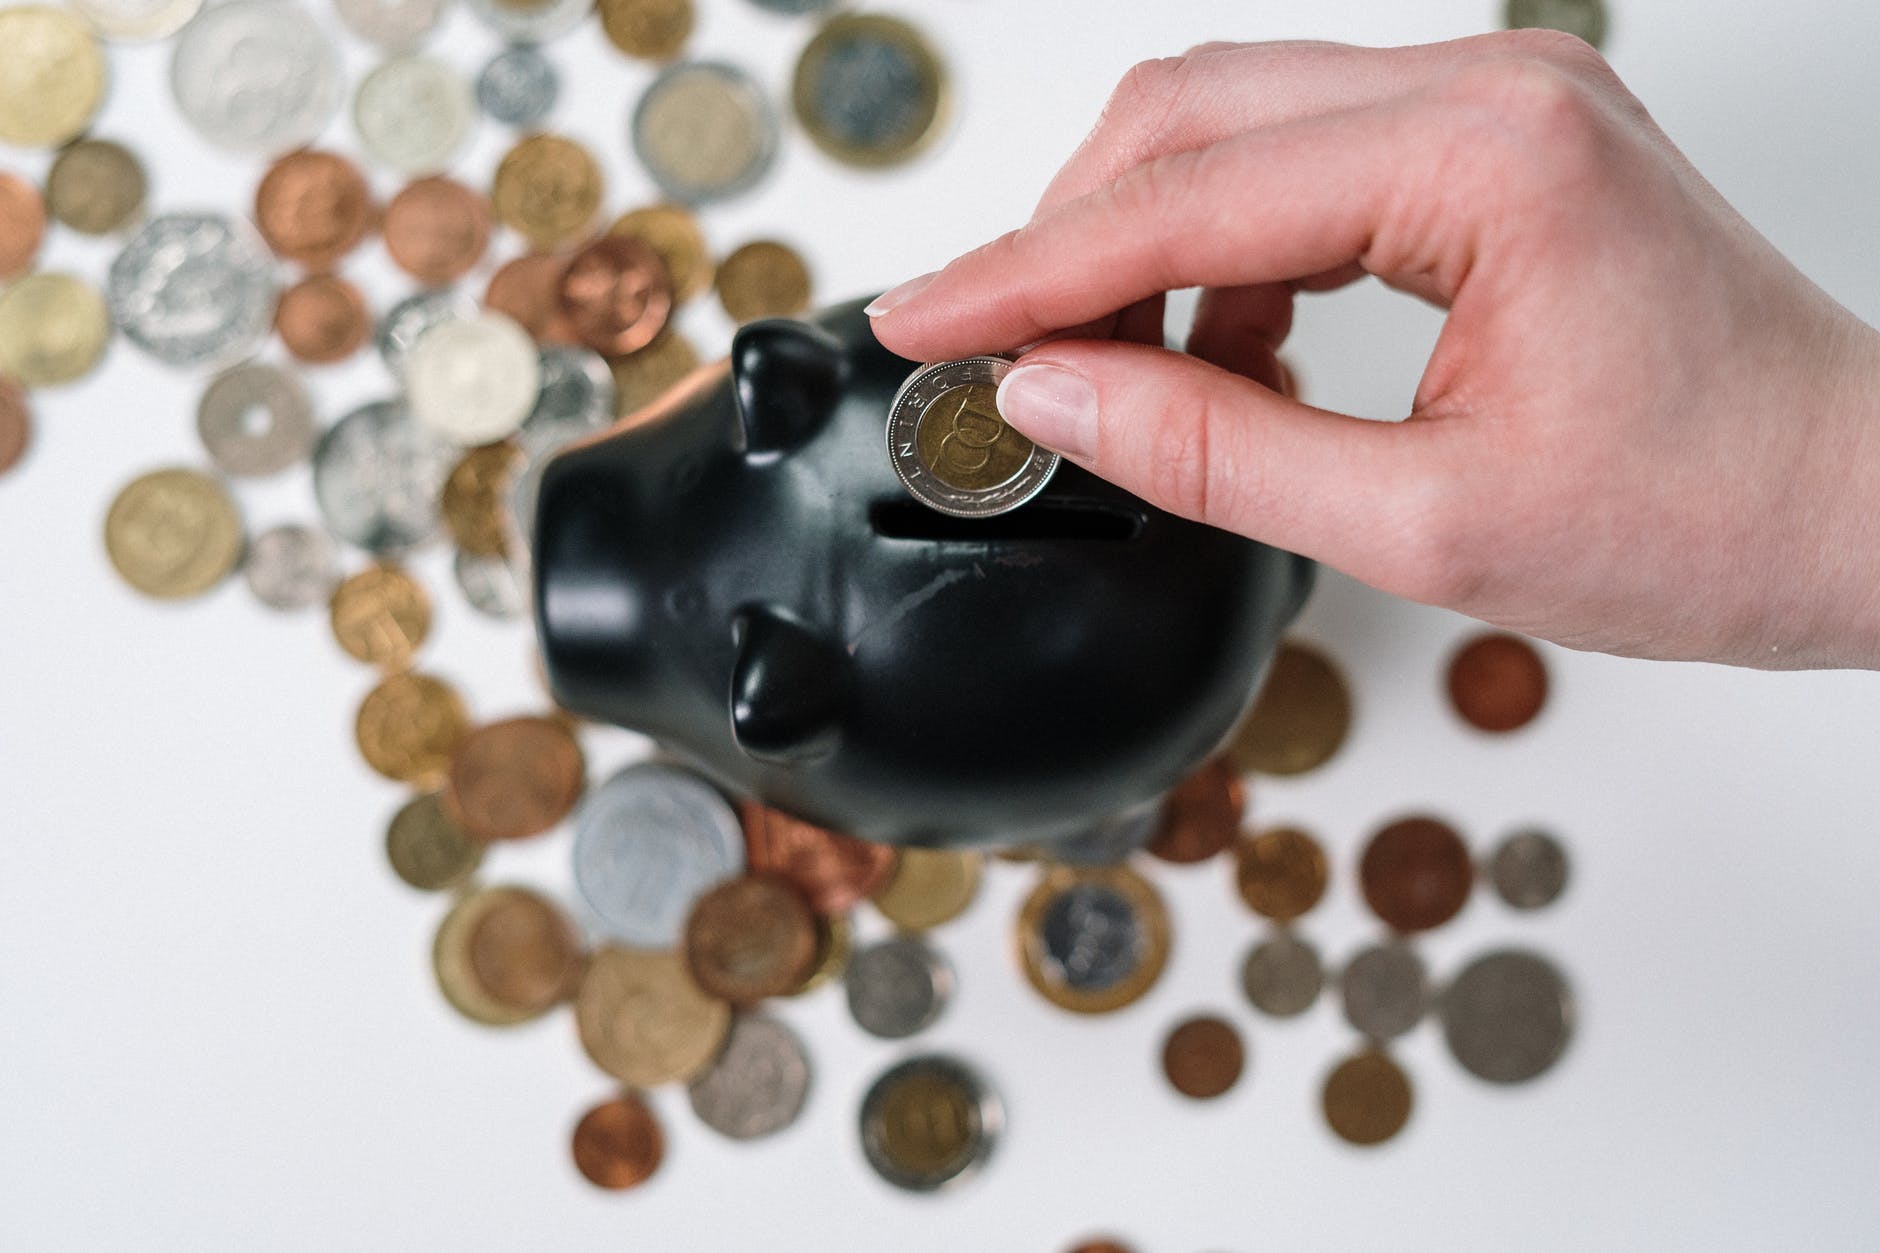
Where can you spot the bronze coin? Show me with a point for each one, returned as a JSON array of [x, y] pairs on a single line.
[[1281, 873], [1201, 815], [22, 224], [313, 207], [751, 937], [436, 230], [381, 616], [1300, 718], [408, 727], [1497, 682], [96, 187], [513, 779], [1203, 1057], [528, 290], [476, 499], [617, 295], [1416, 874], [1101, 1246], [618, 1143], [322, 319], [547, 189], [642, 377], [833, 871], [1367, 1099], [525, 953], [16, 423], [672, 232], [763, 279]]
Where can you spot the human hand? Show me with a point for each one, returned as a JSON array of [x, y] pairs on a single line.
[[1642, 430]]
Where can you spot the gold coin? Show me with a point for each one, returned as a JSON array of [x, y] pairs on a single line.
[[879, 116], [673, 233], [428, 850], [644, 1021], [654, 30], [1281, 873], [96, 187], [835, 940], [51, 76], [476, 499], [173, 533], [928, 1125], [547, 188], [53, 329], [965, 442], [381, 616], [1093, 938], [1300, 718], [1367, 1099], [928, 887], [642, 377], [408, 727], [504, 955], [763, 279]]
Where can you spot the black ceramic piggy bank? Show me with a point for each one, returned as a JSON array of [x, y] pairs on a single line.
[[737, 572]]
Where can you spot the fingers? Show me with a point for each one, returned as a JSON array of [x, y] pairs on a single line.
[[1239, 329]]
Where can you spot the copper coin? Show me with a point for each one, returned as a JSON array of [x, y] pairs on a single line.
[[436, 230], [1281, 873], [751, 937], [1201, 815], [513, 779], [1416, 874], [313, 207], [381, 616], [1101, 1246], [525, 953], [476, 496], [1497, 682], [22, 224], [831, 870], [528, 289], [617, 295], [16, 423], [1367, 1099], [618, 1143], [322, 319], [1203, 1057], [408, 727], [1300, 718]]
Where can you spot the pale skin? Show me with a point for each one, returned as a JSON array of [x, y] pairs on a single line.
[[1642, 430]]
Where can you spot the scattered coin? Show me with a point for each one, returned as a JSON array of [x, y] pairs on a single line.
[[870, 90], [1385, 991], [255, 76], [22, 224], [194, 289], [473, 380], [835, 941], [1201, 815], [391, 24], [255, 419], [618, 1143], [652, 30], [527, 289], [516, 778], [533, 21], [377, 475], [763, 279], [671, 231], [1585, 18], [51, 76], [1529, 870], [173, 533], [1367, 1099], [953, 451], [137, 21], [647, 842], [518, 87], [1282, 975], [496, 587], [831, 870], [1507, 1016], [1093, 1246], [476, 498], [898, 987], [406, 322], [408, 727], [1416, 874], [929, 1121], [291, 567], [96, 187], [547, 189], [1203, 1057], [643, 1019], [1497, 682], [504, 955], [16, 423], [313, 207], [1300, 718], [644, 376], [577, 394], [1281, 873], [616, 295], [749, 938], [436, 230], [928, 887], [413, 113], [757, 1086], [705, 131], [381, 616], [322, 319], [53, 329], [1093, 940], [426, 849]]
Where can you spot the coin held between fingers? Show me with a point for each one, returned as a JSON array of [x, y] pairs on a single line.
[[1056, 407]]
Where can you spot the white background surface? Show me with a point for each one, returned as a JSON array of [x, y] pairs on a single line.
[[219, 1030]]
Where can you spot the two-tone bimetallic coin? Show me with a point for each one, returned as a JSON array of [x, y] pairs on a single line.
[[406, 322], [193, 289], [647, 843], [705, 131], [898, 987], [391, 24], [413, 113], [952, 450], [1093, 940], [518, 87], [870, 90], [1507, 1017], [757, 1086], [929, 1121], [255, 419], [291, 567], [473, 380], [531, 21], [256, 76], [377, 476], [1385, 991]]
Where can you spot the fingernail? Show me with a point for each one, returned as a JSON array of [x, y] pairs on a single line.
[[897, 295], [1056, 407]]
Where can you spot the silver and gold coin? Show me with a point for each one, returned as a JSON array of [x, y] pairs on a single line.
[[705, 131], [928, 1122], [953, 451], [870, 90]]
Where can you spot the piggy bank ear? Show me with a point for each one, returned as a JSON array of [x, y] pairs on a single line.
[[789, 378], [789, 688]]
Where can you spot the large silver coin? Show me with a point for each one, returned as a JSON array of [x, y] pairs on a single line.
[[1109, 841], [291, 567], [255, 419], [952, 450], [1507, 1016], [193, 289], [391, 24], [405, 323], [1282, 976], [531, 21], [647, 843], [705, 131], [518, 87], [473, 380], [1092, 935], [929, 1121], [757, 1085], [496, 587], [1585, 18], [413, 114], [898, 987], [137, 21], [1385, 991], [1529, 869], [256, 76], [377, 476]]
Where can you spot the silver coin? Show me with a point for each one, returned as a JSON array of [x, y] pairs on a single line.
[[531, 21], [757, 1086], [193, 289], [377, 475], [1507, 1016], [1585, 18], [1108, 841], [1092, 936], [705, 131], [577, 392], [1385, 990], [943, 1149], [413, 113], [405, 323], [898, 987], [291, 567], [496, 587], [934, 418], [256, 76], [518, 87], [255, 419], [391, 24], [1529, 869], [473, 380], [1282, 976], [137, 21], [646, 843]]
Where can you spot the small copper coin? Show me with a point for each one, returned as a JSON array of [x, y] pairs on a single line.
[[751, 937], [22, 224], [1300, 718], [408, 726], [528, 290], [513, 779], [436, 230], [504, 955], [313, 207], [1100, 1246], [1416, 874], [1201, 815], [833, 871], [1497, 682], [381, 616], [476, 496], [674, 234], [1203, 1057], [1367, 1099], [763, 279], [16, 423], [617, 295], [96, 187], [322, 319], [618, 1143], [1281, 873]]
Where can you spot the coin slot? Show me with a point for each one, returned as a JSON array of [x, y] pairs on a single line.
[[1045, 519]]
